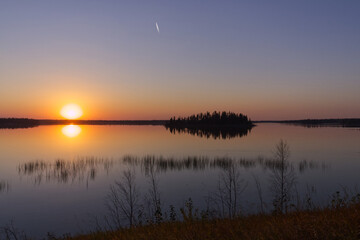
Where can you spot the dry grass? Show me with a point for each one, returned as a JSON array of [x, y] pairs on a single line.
[[329, 223]]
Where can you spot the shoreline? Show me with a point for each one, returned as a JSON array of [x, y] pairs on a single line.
[[13, 123]]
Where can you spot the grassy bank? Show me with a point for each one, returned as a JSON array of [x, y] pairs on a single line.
[[328, 223]]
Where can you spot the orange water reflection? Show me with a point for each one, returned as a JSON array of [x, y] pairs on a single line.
[[50, 142], [71, 131]]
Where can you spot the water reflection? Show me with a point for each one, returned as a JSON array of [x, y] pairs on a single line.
[[63, 171], [71, 131], [162, 164], [87, 168], [179, 177], [4, 186], [214, 132]]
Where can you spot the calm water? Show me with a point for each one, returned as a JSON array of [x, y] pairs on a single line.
[[56, 178]]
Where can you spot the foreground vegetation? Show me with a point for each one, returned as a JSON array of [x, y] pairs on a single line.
[[340, 220], [329, 223], [287, 220], [135, 215]]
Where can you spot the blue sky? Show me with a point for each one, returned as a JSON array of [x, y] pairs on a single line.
[[268, 59]]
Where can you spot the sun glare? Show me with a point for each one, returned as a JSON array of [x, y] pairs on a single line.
[[71, 130], [71, 111]]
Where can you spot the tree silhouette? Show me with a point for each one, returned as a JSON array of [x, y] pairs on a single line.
[[283, 177], [123, 199], [218, 125]]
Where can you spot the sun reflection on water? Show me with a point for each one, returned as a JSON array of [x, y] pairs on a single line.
[[71, 131]]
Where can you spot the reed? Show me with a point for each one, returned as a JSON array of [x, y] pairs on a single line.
[[326, 223]]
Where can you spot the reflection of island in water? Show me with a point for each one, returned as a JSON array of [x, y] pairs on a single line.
[[222, 125], [215, 132]]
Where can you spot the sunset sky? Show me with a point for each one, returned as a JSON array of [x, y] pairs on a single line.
[[267, 59]]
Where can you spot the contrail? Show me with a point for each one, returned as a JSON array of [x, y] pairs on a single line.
[[157, 27]]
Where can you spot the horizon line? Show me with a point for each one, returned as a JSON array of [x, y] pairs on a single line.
[[163, 120]]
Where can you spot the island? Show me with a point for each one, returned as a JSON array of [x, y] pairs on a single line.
[[217, 125]]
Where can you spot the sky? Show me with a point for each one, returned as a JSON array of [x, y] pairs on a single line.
[[271, 60]]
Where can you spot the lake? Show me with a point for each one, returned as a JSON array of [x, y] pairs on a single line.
[[57, 178]]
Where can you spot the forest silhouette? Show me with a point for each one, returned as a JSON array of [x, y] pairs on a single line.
[[222, 125]]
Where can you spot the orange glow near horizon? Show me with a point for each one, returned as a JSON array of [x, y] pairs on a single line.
[[71, 111], [103, 107]]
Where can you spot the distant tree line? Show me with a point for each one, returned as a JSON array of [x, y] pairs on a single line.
[[13, 123], [215, 118], [312, 123]]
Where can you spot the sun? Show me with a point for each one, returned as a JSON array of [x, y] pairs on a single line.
[[71, 111]]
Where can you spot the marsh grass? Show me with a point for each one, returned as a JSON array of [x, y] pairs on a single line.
[[327, 223], [340, 219]]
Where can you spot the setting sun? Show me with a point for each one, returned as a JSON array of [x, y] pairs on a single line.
[[71, 111]]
